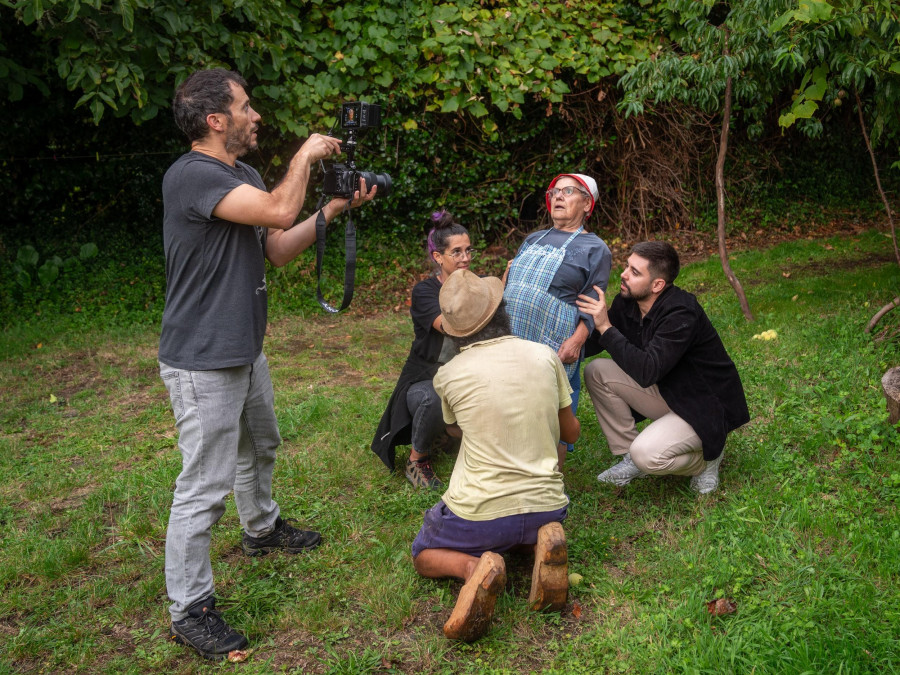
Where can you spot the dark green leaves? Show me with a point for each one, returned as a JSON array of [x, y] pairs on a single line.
[[463, 57]]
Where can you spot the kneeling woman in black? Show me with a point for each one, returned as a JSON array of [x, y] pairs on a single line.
[[413, 415]]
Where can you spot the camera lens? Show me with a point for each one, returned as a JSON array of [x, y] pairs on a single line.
[[382, 180]]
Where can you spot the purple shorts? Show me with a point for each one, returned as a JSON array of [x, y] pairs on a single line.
[[444, 529]]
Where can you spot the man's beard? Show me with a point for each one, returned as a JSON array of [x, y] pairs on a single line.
[[238, 143], [628, 293]]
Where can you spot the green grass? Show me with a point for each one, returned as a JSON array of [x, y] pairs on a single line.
[[803, 535]]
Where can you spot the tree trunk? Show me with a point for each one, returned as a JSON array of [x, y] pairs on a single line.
[[887, 206], [720, 202], [890, 384]]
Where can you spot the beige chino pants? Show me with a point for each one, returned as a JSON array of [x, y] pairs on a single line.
[[668, 445]]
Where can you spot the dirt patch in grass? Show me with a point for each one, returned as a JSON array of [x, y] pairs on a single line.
[[8, 628], [292, 651], [818, 268], [82, 371], [136, 402], [622, 562], [340, 376], [374, 339], [339, 373], [325, 355], [324, 334], [79, 375], [81, 384], [73, 500]]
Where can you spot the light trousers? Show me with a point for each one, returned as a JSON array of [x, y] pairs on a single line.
[[668, 445], [227, 435]]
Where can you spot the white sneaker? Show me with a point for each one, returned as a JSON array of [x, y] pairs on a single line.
[[707, 480], [622, 473]]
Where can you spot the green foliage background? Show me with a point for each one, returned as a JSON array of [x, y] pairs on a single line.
[[485, 101], [306, 55]]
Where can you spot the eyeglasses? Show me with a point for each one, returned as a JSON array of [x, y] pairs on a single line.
[[458, 253], [567, 191]]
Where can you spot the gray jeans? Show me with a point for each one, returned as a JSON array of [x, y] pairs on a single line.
[[427, 417], [227, 435]]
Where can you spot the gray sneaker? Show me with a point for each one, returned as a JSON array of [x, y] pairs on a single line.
[[622, 473], [707, 480], [421, 475]]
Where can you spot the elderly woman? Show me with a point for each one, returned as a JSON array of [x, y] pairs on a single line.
[[413, 415], [551, 269]]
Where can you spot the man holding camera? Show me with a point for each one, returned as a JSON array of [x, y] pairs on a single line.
[[669, 365], [220, 226]]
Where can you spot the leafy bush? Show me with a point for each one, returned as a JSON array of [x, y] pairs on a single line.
[[26, 269], [478, 117]]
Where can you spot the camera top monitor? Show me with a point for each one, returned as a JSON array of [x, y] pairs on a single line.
[[360, 115]]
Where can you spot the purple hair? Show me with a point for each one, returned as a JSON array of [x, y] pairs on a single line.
[[435, 217]]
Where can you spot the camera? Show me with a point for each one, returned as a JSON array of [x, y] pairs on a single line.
[[342, 180]]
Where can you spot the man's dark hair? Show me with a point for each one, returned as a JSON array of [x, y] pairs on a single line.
[[662, 259], [203, 93], [497, 327]]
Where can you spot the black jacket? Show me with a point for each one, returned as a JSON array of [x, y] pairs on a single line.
[[395, 427], [676, 347]]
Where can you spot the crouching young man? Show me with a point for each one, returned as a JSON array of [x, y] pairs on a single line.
[[510, 400], [668, 365]]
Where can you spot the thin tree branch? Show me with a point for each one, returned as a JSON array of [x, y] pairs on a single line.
[[881, 312], [720, 197], [887, 206]]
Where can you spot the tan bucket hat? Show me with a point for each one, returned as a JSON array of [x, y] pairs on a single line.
[[468, 302]]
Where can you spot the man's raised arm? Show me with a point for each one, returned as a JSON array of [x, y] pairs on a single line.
[[278, 209]]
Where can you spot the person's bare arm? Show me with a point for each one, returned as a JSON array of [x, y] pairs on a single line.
[[282, 246], [570, 349], [506, 271], [569, 426], [569, 431], [277, 209]]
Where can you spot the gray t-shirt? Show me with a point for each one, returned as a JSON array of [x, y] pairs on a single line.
[[216, 303]]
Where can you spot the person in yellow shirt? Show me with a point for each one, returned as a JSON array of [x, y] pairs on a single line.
[[509, 400]]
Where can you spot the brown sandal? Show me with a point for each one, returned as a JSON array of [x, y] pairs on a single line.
[[471, 617], [550, 579]]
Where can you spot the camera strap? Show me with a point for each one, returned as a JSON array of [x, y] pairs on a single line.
[[349, 258]]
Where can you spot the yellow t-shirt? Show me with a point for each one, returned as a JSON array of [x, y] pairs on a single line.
[[505, 394]]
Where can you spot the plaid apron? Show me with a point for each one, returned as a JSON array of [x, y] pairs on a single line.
[[535, 314]]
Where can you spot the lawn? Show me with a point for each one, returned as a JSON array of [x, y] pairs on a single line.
[[802, 539]]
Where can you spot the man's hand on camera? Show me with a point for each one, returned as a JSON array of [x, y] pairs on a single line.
[[360, 197], [319, 147]]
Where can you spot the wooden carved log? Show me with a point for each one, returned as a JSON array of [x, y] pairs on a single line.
[[890, 383]]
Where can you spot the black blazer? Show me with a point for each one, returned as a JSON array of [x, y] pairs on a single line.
[[676, 347]]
